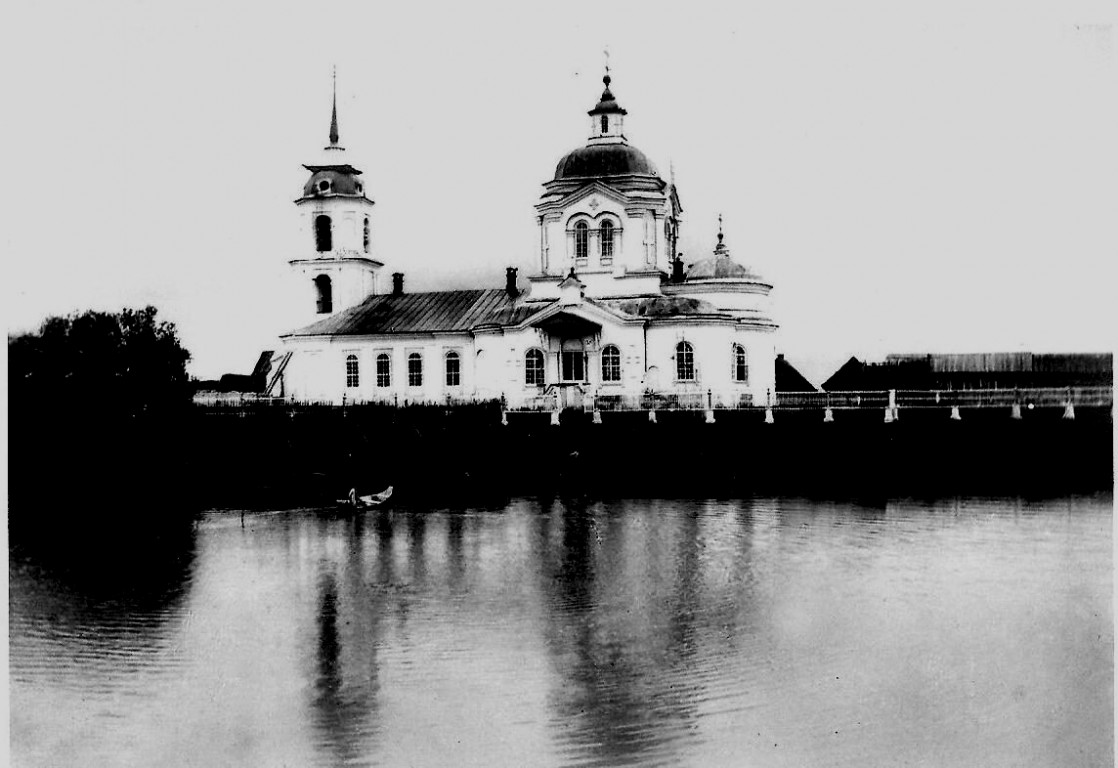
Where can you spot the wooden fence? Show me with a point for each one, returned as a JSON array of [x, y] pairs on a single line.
[[700, 401]]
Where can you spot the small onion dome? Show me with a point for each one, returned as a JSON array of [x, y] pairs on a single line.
[[339, 180], [604, 160], [719, 266], [668, 306]]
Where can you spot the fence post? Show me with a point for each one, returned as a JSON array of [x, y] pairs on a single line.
[[955, 415]]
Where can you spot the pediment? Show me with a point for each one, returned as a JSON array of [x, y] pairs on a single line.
[[595, 189], [587, 312]]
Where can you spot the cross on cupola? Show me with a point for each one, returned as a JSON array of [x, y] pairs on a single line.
[[607, 116]]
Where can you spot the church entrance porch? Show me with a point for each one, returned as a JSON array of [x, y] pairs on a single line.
[[572, 372]]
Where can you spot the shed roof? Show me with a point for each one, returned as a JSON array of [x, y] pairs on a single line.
[[433, 312]]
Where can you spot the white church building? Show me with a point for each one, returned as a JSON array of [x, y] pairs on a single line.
[[611, 318]]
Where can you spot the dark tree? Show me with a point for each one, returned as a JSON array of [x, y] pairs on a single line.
[[99, 413], [125, 363]]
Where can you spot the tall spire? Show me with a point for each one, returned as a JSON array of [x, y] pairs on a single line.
[[334, 113]]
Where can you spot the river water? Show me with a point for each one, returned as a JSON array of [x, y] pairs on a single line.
[[763, 632]]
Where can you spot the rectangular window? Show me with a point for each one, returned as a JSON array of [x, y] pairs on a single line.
[[453, 369], [611, 364], [384, 370], [533, 368], [741, 364], [684, 362], [605, 235], [352, 372], [415, 370]]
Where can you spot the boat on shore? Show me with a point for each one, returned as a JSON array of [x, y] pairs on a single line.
[[353, 501]]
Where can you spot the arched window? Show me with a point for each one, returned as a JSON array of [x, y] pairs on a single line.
[[366, 234], [323, 234], [352, 371], [684, 362], [606, 235], [415, 370], [741, 364], [533, 368], [324, 186], [582, 240], [605, 124], [611, 364], [324, 295], [384, 370], [453, 369]]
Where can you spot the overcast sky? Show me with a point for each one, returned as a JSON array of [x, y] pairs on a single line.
[[937, 176]]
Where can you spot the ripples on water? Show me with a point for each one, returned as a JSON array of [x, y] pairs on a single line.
[[763, 632]]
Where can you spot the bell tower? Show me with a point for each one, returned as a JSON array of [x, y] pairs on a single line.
[[336, 264]]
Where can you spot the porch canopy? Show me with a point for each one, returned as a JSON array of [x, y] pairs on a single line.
[[567, 325]]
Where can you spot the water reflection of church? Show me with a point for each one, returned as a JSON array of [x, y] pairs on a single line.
[[612, 312]]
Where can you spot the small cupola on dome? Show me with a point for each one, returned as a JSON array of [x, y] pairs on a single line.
[[607, 151], [607, 116], [719, 266]]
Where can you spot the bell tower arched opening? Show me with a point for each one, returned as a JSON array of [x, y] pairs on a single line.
[[324, 295], [323, 233]]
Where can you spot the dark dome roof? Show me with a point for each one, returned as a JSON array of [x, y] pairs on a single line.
[[604, 160], [667, 306], [341, 182], [718, 267]]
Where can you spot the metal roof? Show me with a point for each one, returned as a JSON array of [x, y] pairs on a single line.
[[594, 160], [434, 312]]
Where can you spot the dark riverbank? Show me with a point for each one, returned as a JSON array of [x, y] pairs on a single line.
[[276, 456]]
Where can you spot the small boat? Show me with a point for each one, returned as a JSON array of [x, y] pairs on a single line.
[[376, 499], [353, 501]]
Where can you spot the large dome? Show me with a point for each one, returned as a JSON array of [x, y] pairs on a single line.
[[596, 160]]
